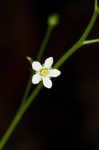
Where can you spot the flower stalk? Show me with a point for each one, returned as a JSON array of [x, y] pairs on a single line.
[[87, 42]]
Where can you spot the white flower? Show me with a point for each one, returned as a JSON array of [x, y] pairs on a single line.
[[44, 72]]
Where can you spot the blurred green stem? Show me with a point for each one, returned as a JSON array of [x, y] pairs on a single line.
[[18, 116], [96, 7], [44, 43], [79, 43], [28, 87]]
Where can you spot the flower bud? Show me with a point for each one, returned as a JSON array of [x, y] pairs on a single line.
[[53, 20], [29, 59]]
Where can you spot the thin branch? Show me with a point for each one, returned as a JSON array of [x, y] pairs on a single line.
[[91, 41]]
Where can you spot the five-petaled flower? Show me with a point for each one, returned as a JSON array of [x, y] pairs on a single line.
[[44, 72]]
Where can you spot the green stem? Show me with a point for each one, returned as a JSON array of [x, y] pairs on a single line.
[[44, 43], [90, 41], [96, 7], [27, 90], [39, 56], [79, 43], [18, 116]]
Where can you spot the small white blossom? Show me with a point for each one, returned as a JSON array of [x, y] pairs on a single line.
[[44, 72]]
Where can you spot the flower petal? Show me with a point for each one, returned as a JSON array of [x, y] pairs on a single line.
[[54, 73], [36, 66], [36, 78], [47, 82], [48, 62]]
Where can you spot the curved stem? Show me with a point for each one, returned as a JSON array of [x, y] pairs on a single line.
[[79, 43], [87, 42], [18, 116]]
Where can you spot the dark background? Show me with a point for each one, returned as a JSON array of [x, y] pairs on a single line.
[[67, 116]]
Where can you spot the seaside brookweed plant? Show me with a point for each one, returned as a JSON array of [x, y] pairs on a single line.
[[46, 71]]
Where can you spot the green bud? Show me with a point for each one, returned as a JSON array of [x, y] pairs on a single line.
[[29, 59], [53, 20]]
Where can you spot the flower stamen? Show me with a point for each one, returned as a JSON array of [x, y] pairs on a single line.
[[44, 72]]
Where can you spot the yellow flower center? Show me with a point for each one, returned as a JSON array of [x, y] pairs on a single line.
[[44, 72]]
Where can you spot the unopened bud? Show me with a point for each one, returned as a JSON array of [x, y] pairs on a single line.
[[53, 20], [29, 59]]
